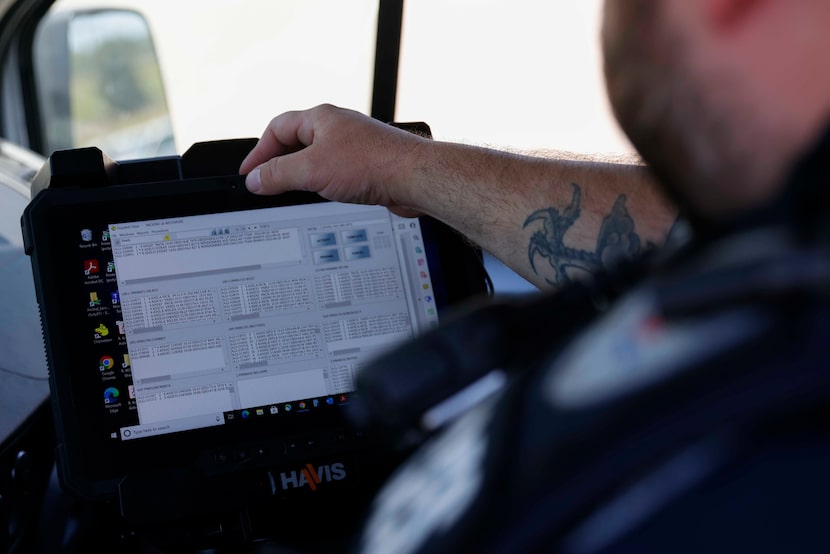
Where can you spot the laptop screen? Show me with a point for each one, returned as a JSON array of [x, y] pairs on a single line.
[[208, 320]]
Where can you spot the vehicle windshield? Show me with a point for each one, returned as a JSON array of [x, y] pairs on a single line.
[[525, 75]]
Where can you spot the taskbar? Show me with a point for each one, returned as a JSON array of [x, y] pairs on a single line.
[[282, 408]]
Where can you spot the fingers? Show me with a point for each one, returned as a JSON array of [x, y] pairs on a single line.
[[281, 159], [285, 134], [281, 174]]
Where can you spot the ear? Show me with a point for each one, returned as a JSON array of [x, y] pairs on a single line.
[[726, 14]]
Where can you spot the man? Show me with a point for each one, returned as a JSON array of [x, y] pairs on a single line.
[[693, 414]]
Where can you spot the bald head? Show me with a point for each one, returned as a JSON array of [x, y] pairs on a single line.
[[719, 96]]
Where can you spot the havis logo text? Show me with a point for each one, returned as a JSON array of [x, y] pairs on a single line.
[[309, 476]]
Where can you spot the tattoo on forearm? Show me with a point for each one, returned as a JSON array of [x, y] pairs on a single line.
[[616, 239]]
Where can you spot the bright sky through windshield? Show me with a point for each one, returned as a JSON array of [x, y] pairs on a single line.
[[523, 74]]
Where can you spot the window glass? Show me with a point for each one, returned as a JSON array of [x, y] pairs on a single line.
[[523, 74], [229, 66]]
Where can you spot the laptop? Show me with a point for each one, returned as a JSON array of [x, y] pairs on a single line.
[[203, 342]]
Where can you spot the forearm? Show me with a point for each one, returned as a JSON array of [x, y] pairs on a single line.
[[548, 219]]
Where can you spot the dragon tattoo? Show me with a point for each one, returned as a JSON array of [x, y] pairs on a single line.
[[617, 239]]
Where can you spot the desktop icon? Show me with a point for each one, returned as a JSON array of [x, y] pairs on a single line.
[[86, 235], [126, 363], [101, 331], [111, 267], [115, 297], [122, 329], [111, 395], [94, 300], [91, 267], [105, 236], [106, 363]]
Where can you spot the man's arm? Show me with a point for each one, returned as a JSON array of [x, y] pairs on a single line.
[[548, 219]]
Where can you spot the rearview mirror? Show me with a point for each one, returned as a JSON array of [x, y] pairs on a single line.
[[99, 84]]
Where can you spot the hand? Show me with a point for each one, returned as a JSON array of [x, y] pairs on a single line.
[[340, 154]]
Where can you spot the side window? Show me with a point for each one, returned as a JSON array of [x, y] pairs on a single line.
[[523, 74], [226, 68]]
